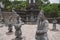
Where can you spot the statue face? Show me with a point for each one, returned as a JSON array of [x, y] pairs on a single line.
[[42, 19]]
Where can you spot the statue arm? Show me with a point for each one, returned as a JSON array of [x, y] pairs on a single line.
[[21, 22], [45, 28], [40, 32], [38, 21]]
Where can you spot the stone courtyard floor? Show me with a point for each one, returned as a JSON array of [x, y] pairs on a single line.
[[28, 33]]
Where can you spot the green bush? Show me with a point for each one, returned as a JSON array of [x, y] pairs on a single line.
[[51, 10]]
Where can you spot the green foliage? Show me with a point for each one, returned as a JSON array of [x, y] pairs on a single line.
[[58, 14], [51, 10], [59, 10], [23, 5], [6, 2], [45, 0], [41, 4], [19, 5]]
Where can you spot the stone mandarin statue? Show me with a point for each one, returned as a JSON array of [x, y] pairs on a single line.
[[10, 22], [54, 23], [41, 33], [1, 19], [18, 24]]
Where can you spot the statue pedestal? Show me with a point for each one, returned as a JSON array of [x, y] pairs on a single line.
[[17, 38], [9, 33]]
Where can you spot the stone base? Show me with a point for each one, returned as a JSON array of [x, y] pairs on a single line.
[[1, 25], [54, 30], [17, 39], [9, 33]]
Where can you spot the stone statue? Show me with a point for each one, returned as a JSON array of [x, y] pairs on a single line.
[[41, 33], [1, 22], [18, 25], [1, 19], [10, 25], [15, 13], [54, 23]]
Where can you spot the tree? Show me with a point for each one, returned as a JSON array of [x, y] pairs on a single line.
[[22, 4], [6, 2], [51, 10], [42, 3], [15, 4], [59, 11]]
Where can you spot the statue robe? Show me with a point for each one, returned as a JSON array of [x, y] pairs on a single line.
[[41, 33]]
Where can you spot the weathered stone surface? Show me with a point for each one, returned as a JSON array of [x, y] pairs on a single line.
[[54, 24], [18, 25], [41, 33], [1, 19], [10, 25]]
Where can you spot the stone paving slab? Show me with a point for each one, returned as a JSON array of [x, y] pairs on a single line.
[[28, 33]]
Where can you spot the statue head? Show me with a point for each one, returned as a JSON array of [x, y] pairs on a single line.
[[13, 11], [10, 18], [18, 18], [54, 18], [41, 14]]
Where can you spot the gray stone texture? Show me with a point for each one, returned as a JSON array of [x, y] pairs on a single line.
[[54, 23], [18, 25], [42, 28], [10, 24]]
